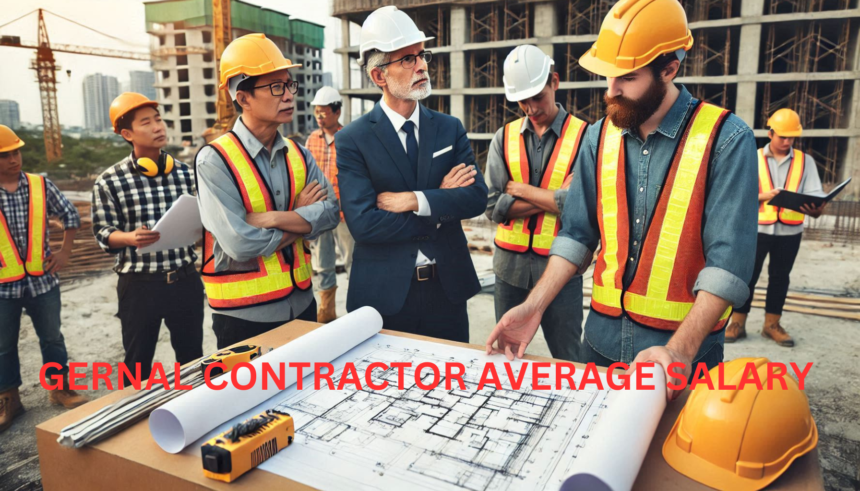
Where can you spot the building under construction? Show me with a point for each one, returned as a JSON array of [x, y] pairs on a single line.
[[751, 56], [187, 73]]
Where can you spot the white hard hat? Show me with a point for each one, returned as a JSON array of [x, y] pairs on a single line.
[[387, 29], [526, 71], [326, 96]]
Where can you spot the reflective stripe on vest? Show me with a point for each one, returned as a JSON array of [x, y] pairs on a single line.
[[661, 292], [518, 235], [274, 276], [767, 214], [12, 268]]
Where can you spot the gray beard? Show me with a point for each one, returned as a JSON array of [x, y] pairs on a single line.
[[406, 92]]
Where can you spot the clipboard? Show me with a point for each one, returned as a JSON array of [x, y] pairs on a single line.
[[793, 201]]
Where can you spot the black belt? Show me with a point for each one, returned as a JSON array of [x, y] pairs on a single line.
[[168, 277], [424, 273]]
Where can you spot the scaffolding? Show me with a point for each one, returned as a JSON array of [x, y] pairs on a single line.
[[701, 10], [585, 16], [585, 104], [485, 69], [440, 71], [489, 113], [710, 55], [435, 22], [500, 21]]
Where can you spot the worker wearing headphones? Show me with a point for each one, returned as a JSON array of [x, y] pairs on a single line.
[[128, 199]]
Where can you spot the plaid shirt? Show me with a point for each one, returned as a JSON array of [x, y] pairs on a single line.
[[16, 207], [326, 156], [124, 200]]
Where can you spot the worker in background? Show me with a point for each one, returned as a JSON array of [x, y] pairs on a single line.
[[659, 182], [327, 103], [529, 168], [28, 275], [780, 166], [261, 196], [407, 178], [128, 200]]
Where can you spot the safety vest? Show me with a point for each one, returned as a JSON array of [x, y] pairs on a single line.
[[537, 232], [275, 276], [767, 214], [11, 266], [661, 292]]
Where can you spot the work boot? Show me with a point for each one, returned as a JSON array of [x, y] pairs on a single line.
[[66, 397], [10, 408], [735, 331], [327, 311], [773, 330]]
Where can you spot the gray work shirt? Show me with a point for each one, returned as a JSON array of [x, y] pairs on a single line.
[[223, 213], [520, 270], [810, 183]]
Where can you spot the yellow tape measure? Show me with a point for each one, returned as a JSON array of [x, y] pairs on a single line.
[[247, 445], [230, 357]]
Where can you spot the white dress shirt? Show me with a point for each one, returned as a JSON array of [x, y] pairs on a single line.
[[423, 205]]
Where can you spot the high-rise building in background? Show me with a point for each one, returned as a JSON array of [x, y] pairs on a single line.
[[186, 84], [99, 91], [142, 82], [9, 114]]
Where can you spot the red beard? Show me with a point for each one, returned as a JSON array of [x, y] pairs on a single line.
[[629, 114]]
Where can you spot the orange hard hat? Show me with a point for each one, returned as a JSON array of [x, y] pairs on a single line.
[[741, 439], [126, 102], [634, 33], [9, 140], [786, 123], [252, 55]]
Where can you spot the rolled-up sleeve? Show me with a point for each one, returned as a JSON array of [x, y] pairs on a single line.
[[223, 213], [499, 203], [580, 233], [730, 217], [323, 215]]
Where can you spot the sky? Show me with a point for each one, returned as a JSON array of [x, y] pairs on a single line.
[[124, 21]]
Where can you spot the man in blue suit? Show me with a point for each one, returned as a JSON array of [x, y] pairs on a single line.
[[407, 178]]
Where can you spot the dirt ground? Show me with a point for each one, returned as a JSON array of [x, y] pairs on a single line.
[[92, 333]]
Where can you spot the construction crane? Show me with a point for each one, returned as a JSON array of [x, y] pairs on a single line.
[[45, 66], [222, 24]]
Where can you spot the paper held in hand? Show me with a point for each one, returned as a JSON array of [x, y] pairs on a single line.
[[179, 227]]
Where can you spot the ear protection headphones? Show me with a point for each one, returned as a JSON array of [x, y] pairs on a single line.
[[152, 168]]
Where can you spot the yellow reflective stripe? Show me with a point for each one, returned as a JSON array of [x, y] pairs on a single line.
[[36, 240], [304, 270], [246, 174], [679, 202], [795, 174], [294, 160], [13, 268], [513, 235], [513, 156], [660, 308], [609, 202], [767, 213], [274, 281], [606, 295]]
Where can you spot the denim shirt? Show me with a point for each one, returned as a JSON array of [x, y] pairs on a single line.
[[729, 223]]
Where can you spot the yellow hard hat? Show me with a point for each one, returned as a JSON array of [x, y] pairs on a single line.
[[785, 122], [252, 55], [9, 140], [634, 33], [126, 102], [741, 439]]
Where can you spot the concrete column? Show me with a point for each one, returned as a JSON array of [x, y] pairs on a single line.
[[750, 8], [748, 54], [545, 26], [346, 111], [458, 70]]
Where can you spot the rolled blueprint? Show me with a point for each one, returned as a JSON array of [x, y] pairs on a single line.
[[187, 418], [617, 448]]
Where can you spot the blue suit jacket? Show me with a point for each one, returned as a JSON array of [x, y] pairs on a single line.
[[371, 160]]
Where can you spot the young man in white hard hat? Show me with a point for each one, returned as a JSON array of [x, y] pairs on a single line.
[[780, 166], [260, 197], [129, 198], [529, 169], [28, 275], [327, 103], [659, 181], [408, 177]]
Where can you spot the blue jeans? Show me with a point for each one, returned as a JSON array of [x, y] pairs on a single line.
[[712, 358], [44, 310], [326, 251]]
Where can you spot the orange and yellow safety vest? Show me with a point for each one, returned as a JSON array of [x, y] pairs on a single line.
[[276, 276], [12, 268], [537, 232], [660, 294], [767, 214]]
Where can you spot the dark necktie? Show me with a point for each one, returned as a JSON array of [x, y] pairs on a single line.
[[411, 143]]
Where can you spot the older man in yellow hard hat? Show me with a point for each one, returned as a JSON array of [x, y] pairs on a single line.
[[659, 183], [260, 197], [780, 167]]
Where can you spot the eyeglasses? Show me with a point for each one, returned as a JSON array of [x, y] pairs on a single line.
[[278, 88], [408, 61]]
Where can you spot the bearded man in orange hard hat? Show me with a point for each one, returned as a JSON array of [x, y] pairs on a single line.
[[666, 184], [780, 166]]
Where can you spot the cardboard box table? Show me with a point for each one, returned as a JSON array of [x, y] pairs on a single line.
[[131, 460]]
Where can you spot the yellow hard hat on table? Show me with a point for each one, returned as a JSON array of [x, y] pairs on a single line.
[[785, 123], [741, 439], [9, 140], [251, 55], [634, 33]]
